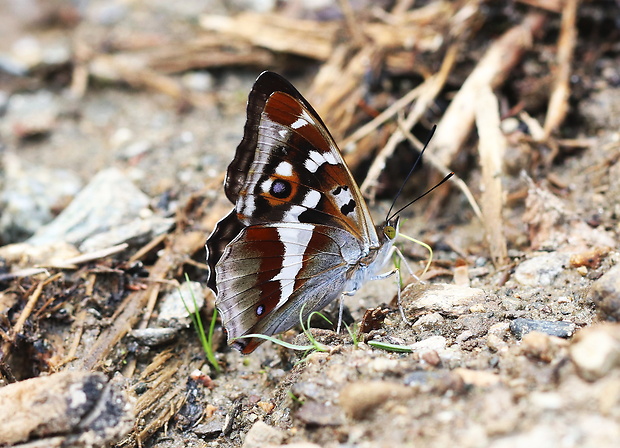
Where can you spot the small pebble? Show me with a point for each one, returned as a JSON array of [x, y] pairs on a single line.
[[478, 378], [154, 336], [541, 346], [443, 297], [30, 114], [431, 358], [437, 343], [266, 406], [429, 320], [520, 327], [359, 399], [496, 344], [541, 270], [261, 434], [315, 414]]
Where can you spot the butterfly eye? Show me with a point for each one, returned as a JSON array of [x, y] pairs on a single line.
[[390, 232]]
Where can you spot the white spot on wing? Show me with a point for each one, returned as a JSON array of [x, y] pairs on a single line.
[[316, 159], [266, 186], [330, 158], [302, 120], [248, 206], [284, 169], [311, 199]]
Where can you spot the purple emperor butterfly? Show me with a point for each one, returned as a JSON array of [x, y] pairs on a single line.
[[300, 234]]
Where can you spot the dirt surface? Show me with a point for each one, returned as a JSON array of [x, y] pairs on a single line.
[[512, 350]]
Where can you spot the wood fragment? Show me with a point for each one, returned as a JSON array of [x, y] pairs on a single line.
[[71, 263], [26, 312], [278, 33], [492, 70], [558, 102], [491, 148]]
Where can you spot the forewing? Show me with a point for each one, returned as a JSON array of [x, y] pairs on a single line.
[[288, 168]]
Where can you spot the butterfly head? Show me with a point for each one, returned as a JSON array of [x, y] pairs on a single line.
[[391, 227]]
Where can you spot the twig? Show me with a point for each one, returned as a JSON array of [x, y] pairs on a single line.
[[455, 179], [70, 263], [384, 116], [492, 70], [429, 90], [558, 102], [492, 147], [352, 23], [32, 301]]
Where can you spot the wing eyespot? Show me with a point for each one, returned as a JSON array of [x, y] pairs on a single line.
[[260, 309], [280, 189]]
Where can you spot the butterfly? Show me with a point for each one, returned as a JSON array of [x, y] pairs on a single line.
[[300, 234]]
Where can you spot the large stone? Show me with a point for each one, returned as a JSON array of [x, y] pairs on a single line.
[[595, 351], [605, 293]]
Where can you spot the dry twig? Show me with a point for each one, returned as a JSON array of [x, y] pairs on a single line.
[[491, 71], [492, 147], [429, 90], [558, 103]]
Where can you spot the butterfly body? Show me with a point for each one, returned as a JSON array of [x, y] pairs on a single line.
[[300, 234]]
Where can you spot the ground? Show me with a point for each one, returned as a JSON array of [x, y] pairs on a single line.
[[512, 337]]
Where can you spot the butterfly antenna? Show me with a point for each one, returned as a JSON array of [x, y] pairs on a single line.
[[445, 179], [417, 162]]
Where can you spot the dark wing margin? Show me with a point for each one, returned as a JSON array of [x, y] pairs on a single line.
[[225, 231]]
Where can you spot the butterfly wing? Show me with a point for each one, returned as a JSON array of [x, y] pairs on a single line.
[[287, 176], [288, 168], [279, 269]]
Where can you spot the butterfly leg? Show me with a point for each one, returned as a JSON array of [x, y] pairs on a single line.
[[404, 260], [341, 309], [395, 271]]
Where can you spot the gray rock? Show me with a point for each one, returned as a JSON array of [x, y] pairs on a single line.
[[211, 429], [444, 298], [541, 270], [521, 327], [605, 293], [177, 306], [153, 336], [138, 232], [29, 196], [110, 200]]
